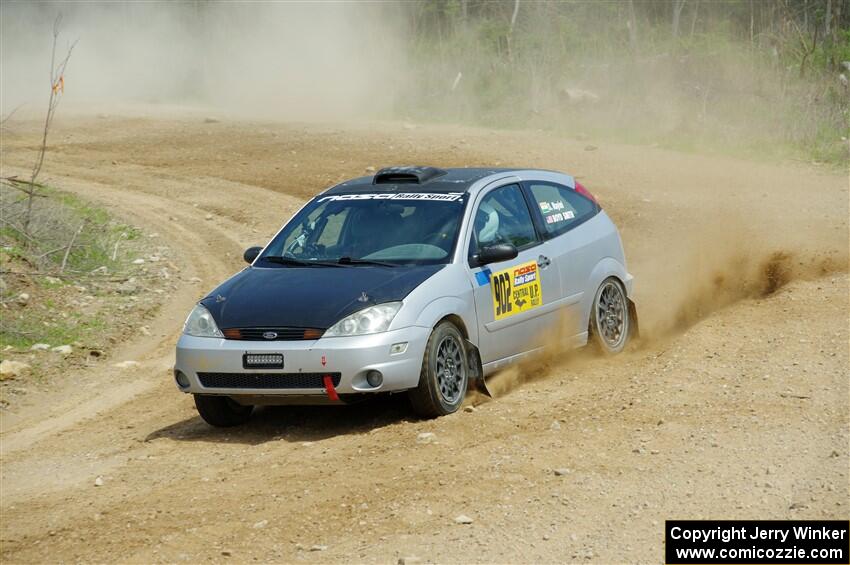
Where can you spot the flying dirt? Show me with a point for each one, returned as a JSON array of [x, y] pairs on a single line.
[[733, 402]]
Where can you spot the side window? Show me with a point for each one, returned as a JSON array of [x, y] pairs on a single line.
[[502, 217], [561, 207]]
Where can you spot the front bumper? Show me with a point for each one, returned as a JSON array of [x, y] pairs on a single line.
[[350, 357]]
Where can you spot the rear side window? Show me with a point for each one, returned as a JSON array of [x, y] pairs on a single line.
[[503, 217], [561, 207]]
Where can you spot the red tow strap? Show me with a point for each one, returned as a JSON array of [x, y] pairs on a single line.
[[329, 388]]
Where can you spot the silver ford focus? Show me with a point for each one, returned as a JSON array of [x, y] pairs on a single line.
[[417, 279]]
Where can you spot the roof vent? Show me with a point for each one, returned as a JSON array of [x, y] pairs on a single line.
[[407, 175]]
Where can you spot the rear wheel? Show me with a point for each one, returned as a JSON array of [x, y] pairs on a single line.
[[609, 319], [444, 376], [222, 411]]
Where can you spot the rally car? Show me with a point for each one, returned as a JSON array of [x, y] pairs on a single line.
[[416, 279]]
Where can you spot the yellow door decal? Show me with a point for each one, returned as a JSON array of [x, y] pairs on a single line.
[[516, 290]]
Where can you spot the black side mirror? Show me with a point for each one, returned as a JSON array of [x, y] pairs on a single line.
[[251, 254], [497, 253]]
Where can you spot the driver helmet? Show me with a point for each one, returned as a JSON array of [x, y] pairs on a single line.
[[487, 223]]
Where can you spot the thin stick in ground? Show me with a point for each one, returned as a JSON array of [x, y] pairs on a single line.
[[71, 245], [57, 87]]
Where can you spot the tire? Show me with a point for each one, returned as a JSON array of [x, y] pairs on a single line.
[[222, 411], [610, 323], [444, 376]]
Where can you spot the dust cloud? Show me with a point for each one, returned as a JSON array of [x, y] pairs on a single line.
[[728, 269], [553, 355], [715, 264], [341, 60], [280, 60]]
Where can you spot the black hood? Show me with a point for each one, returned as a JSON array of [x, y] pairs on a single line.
[[308, 297]]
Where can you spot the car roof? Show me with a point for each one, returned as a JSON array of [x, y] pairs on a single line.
[[417, 179]]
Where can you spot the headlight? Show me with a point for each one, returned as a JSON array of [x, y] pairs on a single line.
[[370, 320], [200, 323]]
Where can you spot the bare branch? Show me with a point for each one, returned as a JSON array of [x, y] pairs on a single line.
[[511, 28], [17, 229], [9, 115], [70, 245], [27, 187], [56, 23], [57, 88], [51, 252]]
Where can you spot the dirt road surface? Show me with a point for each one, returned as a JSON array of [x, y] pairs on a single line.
[[733, 405]]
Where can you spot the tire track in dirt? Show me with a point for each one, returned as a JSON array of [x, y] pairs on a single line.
[[202, 244], [201, 254], [689, 424]]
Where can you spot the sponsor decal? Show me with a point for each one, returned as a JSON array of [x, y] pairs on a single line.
[[516, 290], [560, 217], [551, 206], [482, 277], [434, 196]]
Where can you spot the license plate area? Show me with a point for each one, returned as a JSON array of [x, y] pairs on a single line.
[[262, 361]]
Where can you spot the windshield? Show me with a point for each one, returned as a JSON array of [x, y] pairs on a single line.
[[383, 228]]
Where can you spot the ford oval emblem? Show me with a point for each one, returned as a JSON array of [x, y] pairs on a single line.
[[270, 335]]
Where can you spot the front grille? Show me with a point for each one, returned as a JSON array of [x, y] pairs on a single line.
[[266, 380], [282, 334]]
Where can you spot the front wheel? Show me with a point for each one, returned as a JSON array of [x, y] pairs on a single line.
[[609, 319], [444, 376], [222, 411]]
